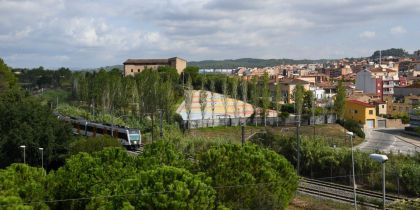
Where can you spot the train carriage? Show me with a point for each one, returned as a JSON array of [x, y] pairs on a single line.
[[128, 137]]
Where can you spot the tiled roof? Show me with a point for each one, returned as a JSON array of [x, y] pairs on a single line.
[[361, 103]]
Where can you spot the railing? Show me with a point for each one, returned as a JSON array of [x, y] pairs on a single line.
[[269, 121]]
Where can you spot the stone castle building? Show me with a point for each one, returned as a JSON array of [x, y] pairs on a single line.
[[134, 66]]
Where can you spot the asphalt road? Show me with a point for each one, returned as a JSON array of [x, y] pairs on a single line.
[[388, 140]]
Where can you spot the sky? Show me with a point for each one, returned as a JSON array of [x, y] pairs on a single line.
[[96, 33]]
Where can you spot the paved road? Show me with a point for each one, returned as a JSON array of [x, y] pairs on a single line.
[[388, 140]]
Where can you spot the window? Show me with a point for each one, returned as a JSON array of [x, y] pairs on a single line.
[[131, 70], [383, 106], [370, 111], [355, 111]]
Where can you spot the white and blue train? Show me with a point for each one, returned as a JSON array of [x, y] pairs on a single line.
[[128, 137]]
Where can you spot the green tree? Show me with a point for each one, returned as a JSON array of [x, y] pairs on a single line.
[[22, 184], [277, 100], [188, 95], [213, 102], [7, 79], [265, 96], [169, 74], [244, 86], [234, 94], [24, 121], [299, 93], [203, 100], [254, 97], [340, 99], [192, 72], [117, 181], [225, 96], [261, 178]]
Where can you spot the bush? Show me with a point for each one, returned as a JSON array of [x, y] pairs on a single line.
[[352, 126], [290, 108], [93, 144], [264, 179]]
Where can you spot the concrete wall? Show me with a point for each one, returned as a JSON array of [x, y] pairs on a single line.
[[365, 82], [394, 123]]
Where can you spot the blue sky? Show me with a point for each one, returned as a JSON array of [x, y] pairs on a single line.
[[94, 33]]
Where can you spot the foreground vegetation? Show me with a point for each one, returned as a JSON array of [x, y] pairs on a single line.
[[168, 175], [320, 160]]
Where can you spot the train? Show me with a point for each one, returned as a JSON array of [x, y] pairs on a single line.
[[130, 138]]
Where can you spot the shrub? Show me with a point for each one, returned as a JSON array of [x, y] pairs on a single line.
[[352, 126]]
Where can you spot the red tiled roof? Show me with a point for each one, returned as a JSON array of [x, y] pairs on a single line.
[[361, 103]]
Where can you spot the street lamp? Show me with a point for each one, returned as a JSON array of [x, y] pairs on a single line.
[[352, 166], [24, 158], [42, 156], [382, 159]]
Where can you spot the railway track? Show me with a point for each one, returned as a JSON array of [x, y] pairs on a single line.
[[343, 193]]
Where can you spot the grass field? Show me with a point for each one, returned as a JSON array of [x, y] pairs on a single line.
[[231, 134], [333, 133]]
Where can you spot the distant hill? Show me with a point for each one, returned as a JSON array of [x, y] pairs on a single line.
[[395, 52], [107, 68], [250, 62]]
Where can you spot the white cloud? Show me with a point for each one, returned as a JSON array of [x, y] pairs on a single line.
[[107, 32], [367, 34], [398, 30]]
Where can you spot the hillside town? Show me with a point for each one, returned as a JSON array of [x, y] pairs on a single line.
[[209, 105]]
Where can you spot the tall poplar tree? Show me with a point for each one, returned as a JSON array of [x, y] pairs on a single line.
[[340, 100]]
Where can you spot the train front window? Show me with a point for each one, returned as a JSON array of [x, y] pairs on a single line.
[[134, 135]]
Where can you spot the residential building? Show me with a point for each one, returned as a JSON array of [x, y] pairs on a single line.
[[361, 112], [402, 105], [288, 87], [134, 66], [380, 81], [413, 89]]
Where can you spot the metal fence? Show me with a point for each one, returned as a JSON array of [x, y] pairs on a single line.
[[269, 121]]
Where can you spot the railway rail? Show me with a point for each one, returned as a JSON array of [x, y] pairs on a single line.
[[343, 193]]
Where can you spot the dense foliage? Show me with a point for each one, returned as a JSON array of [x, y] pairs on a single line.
[[93, 144], [25, 121], [395, 52], [352, 126], [320, 160], [257, 178], [164, 176]]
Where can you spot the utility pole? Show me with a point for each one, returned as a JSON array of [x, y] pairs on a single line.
[[298, 145], [243, 134], [42, 156], [161, 130], [313, 112]]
